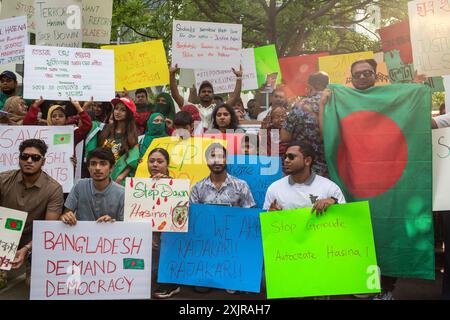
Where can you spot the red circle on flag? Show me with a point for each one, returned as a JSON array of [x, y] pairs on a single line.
[[372, 155], [133, 263], [13, 224]]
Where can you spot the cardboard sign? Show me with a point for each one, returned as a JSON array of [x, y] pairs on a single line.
[[206, 45], [91, 261], [12, 223], [221, 250], [60, 73], [163, 202], [59, 140], [397, 37], [13, 38], [266, 60], [307, 255], [97, 20], [58, 23], [16, 8], [430, 23], [382, 76], [140, 65], [337, 66], [441, 169]]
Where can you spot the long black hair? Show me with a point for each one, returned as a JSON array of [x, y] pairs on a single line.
[[234, 120]]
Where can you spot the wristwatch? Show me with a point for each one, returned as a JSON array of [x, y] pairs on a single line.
[[28, 249]]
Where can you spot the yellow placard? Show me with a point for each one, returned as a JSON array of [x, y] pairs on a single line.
[[187, 157], [337, 66], [382, 72], [140, 65]]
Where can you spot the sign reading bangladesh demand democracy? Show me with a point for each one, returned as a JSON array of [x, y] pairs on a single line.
[[378, 148], [308, 255]]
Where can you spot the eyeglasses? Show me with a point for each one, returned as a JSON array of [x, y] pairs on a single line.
[[34, 157], [290, 156], [365, 74]]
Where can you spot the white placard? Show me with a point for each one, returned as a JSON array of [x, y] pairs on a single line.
[[91, 261], [206, 45], [58, 23], [12, 223], [97, 20], [16, 8], [447, 93], [430, 36], [59, 140], [79, 155], [441, 169], [224, 81], [187, 78], [13, 39], [57, 73]]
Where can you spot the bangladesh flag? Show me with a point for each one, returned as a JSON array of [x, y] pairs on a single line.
[[133, 264], [378, 148], [13, 224], [61, 139]]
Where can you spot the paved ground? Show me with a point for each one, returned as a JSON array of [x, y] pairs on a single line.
[[406, 289]]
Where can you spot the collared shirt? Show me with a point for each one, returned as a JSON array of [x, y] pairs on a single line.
[[89, 204], [45, 195], [233, 192], [291, 195], [206, 115]]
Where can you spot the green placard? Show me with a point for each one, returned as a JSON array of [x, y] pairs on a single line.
[[306, 255], [266, 61]]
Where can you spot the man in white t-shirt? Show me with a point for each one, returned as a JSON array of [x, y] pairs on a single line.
[[301, 188]]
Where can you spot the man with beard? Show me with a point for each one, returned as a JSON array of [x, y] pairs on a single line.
[[301, 188], [8, 84], [206, 96], [97, 198], [31, 190]]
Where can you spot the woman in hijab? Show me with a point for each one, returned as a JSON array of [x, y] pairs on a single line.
[[164, 105], [156, 128], [17, 109]]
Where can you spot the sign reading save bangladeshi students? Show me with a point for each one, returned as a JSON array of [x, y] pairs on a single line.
[[57, 73], [306, 255], [163, 202], [206, 45], [140, 65], [12, 223], [13, 38], [91, 261], [222, 249]]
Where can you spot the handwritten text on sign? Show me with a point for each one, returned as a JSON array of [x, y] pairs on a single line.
[[206, 45], [441, 169], [163, 202], [59, 73], [13, 38], [91, 261], [97, 16], [221, 250], [57, 160], [12, 223], [430, 36], [307, 255], [18, 8]]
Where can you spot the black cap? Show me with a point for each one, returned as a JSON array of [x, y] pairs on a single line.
[[9, 74], [205, 84]]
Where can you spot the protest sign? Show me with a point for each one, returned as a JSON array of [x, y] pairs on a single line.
[[397, 37], [266, 61], [296, 71], [399, 72], [446, 81], [187, 78], [221, 250], [91, 261], [97, 17], [163, 202], [140, 65], [258, 171], [338, 66], [18, 8], [382, 75], [58, 23], [308, 255], [59, 140], [187, 157], [79, 155], [224, 81], [13, 38], [234, 140], [12, 223], [430, 24], [57, 73], [441, 169], [206, 45]]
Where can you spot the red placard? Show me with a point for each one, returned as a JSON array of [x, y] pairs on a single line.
[[397, 36]]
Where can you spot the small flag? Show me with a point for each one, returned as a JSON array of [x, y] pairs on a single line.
[[134, 264], [61, 139], [13, 224]]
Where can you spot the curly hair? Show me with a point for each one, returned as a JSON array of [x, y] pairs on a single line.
[[234, 120]]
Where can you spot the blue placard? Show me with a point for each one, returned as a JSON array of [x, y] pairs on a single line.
[[258, 171], [223, 249]]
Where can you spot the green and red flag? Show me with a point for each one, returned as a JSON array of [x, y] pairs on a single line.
[[14, 224], [378, 148], [134, 264], [61, 138]]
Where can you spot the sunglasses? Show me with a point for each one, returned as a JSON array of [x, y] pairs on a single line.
[[34, 157], [289, 156], [365, 74]]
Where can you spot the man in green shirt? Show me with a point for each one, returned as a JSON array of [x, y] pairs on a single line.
[[8, 86]]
